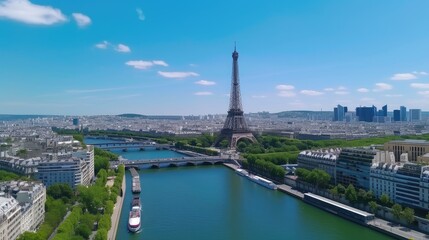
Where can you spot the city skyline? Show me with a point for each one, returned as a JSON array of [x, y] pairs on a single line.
[[79, 59]]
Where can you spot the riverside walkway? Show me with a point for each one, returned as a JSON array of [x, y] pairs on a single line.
[[111, 235]]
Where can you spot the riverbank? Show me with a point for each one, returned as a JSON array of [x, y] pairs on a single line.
[[380, 225], [111, 235]]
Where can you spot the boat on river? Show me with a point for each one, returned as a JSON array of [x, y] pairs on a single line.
[[241, 172], [134, 219], [262, 181]]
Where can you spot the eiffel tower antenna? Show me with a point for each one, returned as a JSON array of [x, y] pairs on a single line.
[[235, 126]]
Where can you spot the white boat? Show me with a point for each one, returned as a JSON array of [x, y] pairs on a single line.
[[241, 172], [262, 181], [134, 219]]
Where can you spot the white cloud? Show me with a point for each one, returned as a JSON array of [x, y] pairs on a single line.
[[140, 64], [420, 73], [342, 88], [27, 12], [341, 92], [286, 94], [160, 63], [329, 89], [203, 93], [393, 95], [425, 93], [259, 96], [311, 93], [363, 90], [140, 14], [420, 85], [193, 65], [283, 87], [403, 76], [102, 45], [178, 74], [205, 83], [382, 87], [81, 20], [122, 48]]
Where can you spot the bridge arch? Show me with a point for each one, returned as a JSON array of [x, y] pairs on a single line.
[[172, 165], [207, 163], [154, 166], [190, 164]]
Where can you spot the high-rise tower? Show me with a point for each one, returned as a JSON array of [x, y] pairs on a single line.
[[235, 126]]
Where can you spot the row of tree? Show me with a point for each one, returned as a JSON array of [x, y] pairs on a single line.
[[317, 177], [264, 168]]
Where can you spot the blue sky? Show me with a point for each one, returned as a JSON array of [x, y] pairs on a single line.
[[95, 57]]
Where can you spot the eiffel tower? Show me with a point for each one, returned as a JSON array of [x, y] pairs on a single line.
[[235, 126]]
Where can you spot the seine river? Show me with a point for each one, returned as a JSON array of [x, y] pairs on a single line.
[[212, 202]]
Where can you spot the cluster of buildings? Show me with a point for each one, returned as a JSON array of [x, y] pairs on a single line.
[[370, 114], [53, 160], [399, 169], [22, 208]]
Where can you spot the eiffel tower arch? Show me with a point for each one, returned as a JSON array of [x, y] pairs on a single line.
[[235, 127]]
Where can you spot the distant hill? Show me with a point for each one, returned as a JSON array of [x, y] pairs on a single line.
[[160, 117], [132, 115], [305, 114]]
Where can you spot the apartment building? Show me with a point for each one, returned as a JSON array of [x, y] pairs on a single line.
[[324, 159], [22, 208]]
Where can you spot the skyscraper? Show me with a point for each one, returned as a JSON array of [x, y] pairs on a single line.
[[415, 115], [339, 113], [384, 109], [396, 115], [366, 114], [403, 113]]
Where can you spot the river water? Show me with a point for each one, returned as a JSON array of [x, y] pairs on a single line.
[[212, 202]]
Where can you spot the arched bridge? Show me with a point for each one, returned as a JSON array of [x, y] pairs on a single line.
[[170, 162], [125, 145]]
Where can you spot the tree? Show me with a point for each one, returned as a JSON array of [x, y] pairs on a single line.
[[385, 200], [322, 178], [408, 215], [362, 196], [334, 192], [224, 143], [397, 211], [341, 189], [83, 230], [351, 194], [373, 206], [30, 236], [61, 191], [101, 234]]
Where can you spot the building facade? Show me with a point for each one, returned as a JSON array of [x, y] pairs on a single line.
[[71, 171], [413, 148], [22, 208], [324, 159], [382, 175]]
